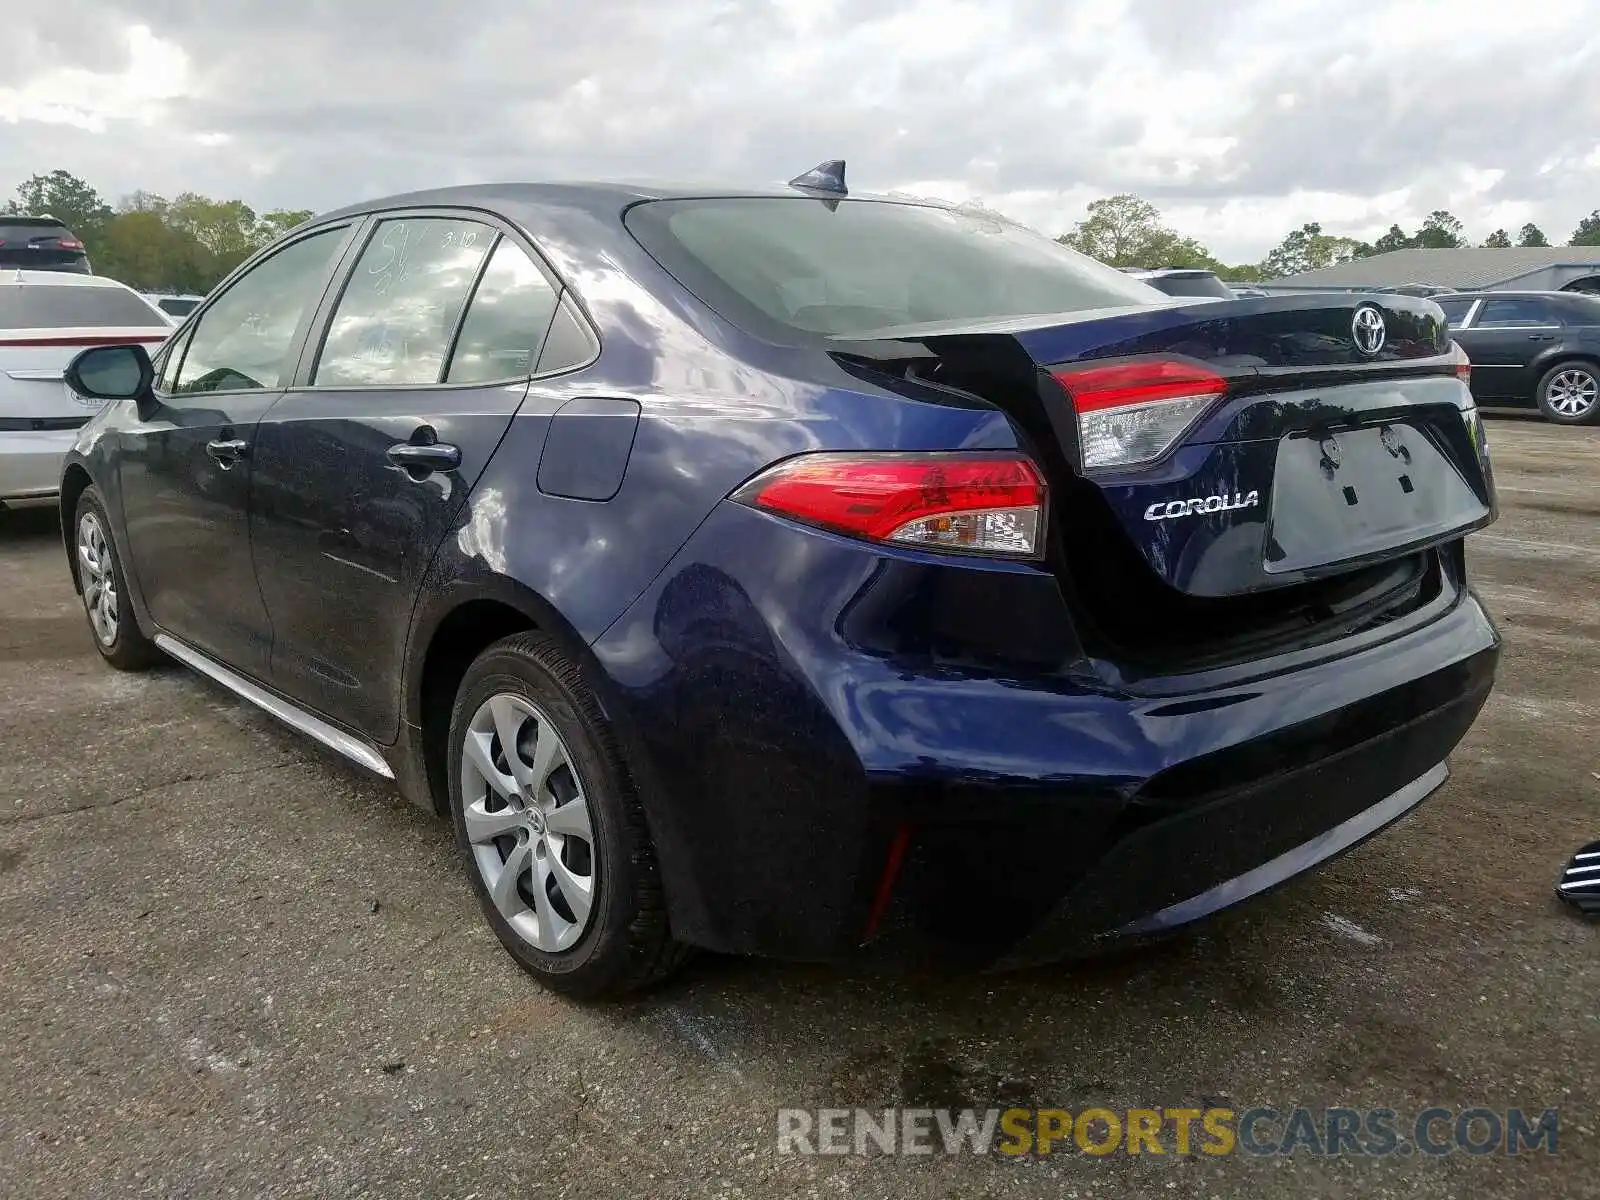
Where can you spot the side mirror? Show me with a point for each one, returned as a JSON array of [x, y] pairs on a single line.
[[112, 373]]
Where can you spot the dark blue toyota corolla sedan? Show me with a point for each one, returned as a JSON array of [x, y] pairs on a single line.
[[801, 574]]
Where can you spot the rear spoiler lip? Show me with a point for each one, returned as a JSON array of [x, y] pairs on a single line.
[[1243, 377], [119, 339]]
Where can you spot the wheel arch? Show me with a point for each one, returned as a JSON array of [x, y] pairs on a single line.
[[1560, 357], [452, 627], [75, 480]]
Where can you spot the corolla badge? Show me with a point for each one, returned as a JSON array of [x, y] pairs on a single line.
[[1367, 330], [1171, 510]]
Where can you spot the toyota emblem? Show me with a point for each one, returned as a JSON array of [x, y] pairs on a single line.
[[1367, 330]]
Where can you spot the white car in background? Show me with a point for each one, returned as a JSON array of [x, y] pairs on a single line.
[[46, 318]]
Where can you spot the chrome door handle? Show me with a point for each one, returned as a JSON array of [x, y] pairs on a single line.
[[227, 451], [419, 459]]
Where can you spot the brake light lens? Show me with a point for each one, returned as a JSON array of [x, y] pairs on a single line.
[[69, 243], [977, 504], [1463, 363], [1131, 413]]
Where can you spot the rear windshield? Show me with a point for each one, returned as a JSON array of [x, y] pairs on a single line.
[[41, 306], [1200, 284], [857, 267], [27, 229]]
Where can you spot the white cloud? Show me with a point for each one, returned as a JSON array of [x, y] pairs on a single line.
[[1241, 120], [157, 71]]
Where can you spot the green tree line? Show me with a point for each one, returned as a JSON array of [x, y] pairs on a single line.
[[188, 243], [1127, 231], [148, 242]]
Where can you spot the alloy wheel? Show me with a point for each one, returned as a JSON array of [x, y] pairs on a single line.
[[1572, 392], [99, 580], [527, 820]]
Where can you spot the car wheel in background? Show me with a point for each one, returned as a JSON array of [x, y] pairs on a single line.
[[103, 587], [550, 827], [1569, 393]]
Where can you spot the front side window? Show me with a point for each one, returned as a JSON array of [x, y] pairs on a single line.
[[1515, 311], [170, 359], [243, 342], [506, 320], [393, 324], [864, 267]]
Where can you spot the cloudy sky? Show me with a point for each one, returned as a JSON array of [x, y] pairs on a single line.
[[1238, 118]]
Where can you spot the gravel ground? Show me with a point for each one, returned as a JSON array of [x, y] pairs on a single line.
[[235, 966]]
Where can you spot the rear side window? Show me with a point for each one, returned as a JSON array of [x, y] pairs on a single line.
[[859, 267], [1514, 311], [393, 324], [43, 306], [1455, 311], [243, 340], [506, 321], [570, 343]]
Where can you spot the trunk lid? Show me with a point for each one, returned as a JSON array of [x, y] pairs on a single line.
[[1237, 446], [33, 394]]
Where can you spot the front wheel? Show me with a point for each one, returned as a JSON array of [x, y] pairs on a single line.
[[1569, 394], [104, 588], [551, 829]]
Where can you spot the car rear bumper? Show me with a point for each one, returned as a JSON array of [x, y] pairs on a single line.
[[820, 786], [30, 465]]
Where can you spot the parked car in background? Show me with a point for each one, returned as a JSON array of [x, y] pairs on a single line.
[[176, 307], [1185, 281], [47, 317], [1417, 289], [1531, 350], [760, 570], [40, 244]]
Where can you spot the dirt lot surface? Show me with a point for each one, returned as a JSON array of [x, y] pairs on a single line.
[[234, 966]]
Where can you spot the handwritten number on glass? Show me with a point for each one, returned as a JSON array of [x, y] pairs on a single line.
[[393, 266]]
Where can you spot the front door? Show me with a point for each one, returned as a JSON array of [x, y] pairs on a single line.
[[360, 471], [184, 472]]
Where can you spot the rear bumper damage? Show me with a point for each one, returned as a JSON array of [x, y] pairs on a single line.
[[818, 791]]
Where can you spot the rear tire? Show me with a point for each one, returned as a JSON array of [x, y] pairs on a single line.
[[1569, 393], [104, 589], [539, 789]]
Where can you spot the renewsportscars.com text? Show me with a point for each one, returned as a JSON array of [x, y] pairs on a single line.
[[1335, 1131]]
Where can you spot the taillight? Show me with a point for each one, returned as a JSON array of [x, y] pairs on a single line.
[[1131, 413], [982, 504], [68, 243], [1463, 363]]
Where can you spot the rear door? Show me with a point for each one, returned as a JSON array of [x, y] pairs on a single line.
[[1505, 336], [362, 467], [184, 469]]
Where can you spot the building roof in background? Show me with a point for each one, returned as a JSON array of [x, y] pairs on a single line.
[[1467, 268]]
